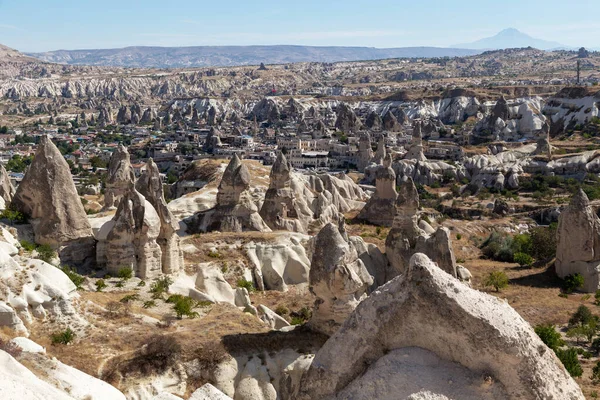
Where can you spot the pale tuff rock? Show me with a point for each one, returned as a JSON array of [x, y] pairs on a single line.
[[415, 151], [338, 278], [119, 179], [395, 345], [7, 190], [381, 207], [151, 187], [578, 242], [373, 121], [407, 238], [213, 141], [285, 206], [272, 319], [48, 196], [390, 122], [280, 263], [381, 152], [34, 290], [365, 152], [235, 210], [129, 240], [346, 119], [209, 392]]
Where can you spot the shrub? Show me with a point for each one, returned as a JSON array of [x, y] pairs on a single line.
[[581, 332], [524, 260], [100, 284], [158, 354], [543, 242], [45, 253], [458, 236], [160, 286], [572, 282], [583, 316], [499, 247], [129, 298], [64, 337], [300, 317], [497, 279], [242, 283], [549, 336], [569, 359], [281, 310], [27, 245], [73, 276], [142, 284], [149, 304], [184, 306], [214, 254], [117, 309], [125, 273], [13, 216], [596, 373]]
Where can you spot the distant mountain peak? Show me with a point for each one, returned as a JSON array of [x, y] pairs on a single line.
[[510, 38]]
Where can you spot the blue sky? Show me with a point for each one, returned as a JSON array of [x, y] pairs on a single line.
[[41, 25]]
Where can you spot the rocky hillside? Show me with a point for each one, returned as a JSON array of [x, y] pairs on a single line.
[[208, 56]]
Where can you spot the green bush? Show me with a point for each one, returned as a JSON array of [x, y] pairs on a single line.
[[543, 242], [499, 247], [497, 279], [73, 276], [100, 284], [570, 360], [149, 304], [583, 316], [64, 337], [13, 217], [160, 286], [129, 298], [184, 306], [45, 253], [242, 283], [596, 374], [458, 236], [27, 245], [125, 273], [281, 310], [572, 283], [524, 260], [549, 336]]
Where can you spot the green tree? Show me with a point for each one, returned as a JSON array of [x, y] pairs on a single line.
[[523, 259], [549, 336], [569, 359], [184, 306], [583, 316], [497, 279], [572, 282]]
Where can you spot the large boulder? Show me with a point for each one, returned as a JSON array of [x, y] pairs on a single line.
[[426, 335], [235, 210], [48, 196], [406, 237], [578, 242], [129, 239], [338, 278], [119, 179], [381, 207], [151, 187]]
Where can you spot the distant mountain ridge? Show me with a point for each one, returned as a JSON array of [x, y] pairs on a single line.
[[511, 38], [209, 56]]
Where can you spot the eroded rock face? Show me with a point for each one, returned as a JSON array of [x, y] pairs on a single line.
[[381, 207], [346, 120], [365, 152], [415, 151], [338, 278], [131, 238], [406, 237], [578, 242], [48, 196], [119, 179], [7, 190], [408, 339], [235, 211], [285, 206], [151, 187]]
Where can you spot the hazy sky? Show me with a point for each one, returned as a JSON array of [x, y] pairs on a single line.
[[41, 25]]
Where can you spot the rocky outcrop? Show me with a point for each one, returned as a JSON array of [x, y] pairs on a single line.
[[407, 238], [286, 206], [7, 190], [119, 179], [346, 120], [365, 152], [48, 196], [578, 242], [235, 210], [381, 208], [390, 122], [425, 329], [213, 141], [338, 278], [129, 239], [151, 187], [415, 151]]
